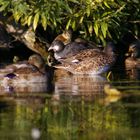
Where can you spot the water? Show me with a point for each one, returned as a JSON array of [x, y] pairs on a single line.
[[72, 108]]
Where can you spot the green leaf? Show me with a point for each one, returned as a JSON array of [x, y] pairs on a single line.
[[29, 20], [106, 4], [96, 28], [81, 19], [44, 21], [88, 11], [74, 1], [3, 7], [36, 19], [90, 27], [17, 15], [104, 27], [74, 24], [68, 24]]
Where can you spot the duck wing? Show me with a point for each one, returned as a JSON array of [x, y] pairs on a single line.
[[84, 54]]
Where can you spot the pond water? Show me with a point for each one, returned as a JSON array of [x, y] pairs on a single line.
[[71, 107]]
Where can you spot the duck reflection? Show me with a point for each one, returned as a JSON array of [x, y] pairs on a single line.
[[29, 87], [79, 84], [133, 73], [46, 87]]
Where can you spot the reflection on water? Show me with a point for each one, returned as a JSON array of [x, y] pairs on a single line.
[[133, 74], [7, 86], [77, 108], [77, 85]]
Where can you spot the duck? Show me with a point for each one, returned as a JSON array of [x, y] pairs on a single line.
[[31, 71], [89, 43], [90, 61], [65, 37], [62, 51], [133, 55], [110, 91]]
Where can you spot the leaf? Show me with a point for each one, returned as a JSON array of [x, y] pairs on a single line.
[[24, 20], [29, 20], [68, 24], [3, 7], [104, 27], [102, 39], [88, 11], [36, 19], [106, 4], [44, 21], [74, 1], [17, 15], [74, 24], [90, 28], [96, 28], [81, 19]]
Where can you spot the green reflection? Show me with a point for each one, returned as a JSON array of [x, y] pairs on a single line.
[[69, 119]]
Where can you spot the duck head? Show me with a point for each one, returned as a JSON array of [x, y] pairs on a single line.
[[38, 61], [110, 48], [68, 35], [57, 46], [134, 50]]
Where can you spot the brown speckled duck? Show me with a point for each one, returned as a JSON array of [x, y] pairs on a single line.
[[31, 71], [90, 61]]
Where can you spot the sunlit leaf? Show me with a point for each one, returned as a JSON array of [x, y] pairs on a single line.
[[96, 28], [4, 6], [90, 27], [17, 15], [74, 1], [104, 27], [29, 20], [44, 21], [68, 24], [36, 19], [81, 19], [88, 11], [74, 24], [106, 4]]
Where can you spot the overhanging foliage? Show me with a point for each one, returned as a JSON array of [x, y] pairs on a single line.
[[97, 19]]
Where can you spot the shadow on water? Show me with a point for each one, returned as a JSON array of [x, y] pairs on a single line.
[[76, 108]]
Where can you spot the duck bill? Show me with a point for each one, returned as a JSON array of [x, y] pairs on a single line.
[[50, 48]]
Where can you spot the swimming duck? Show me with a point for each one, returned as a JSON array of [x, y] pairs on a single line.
[[31, 71], [133, 55], [62, 51], [90, 61]]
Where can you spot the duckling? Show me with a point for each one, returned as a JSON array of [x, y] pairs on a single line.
[[29, 71], [62, 51], [90, 61], [111, 91]]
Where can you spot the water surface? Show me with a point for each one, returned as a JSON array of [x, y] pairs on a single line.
[[72, 108]]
